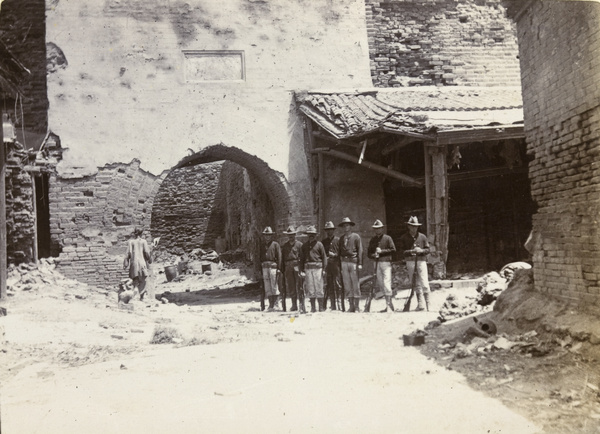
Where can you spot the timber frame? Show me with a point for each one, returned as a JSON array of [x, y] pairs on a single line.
[[435, 180]]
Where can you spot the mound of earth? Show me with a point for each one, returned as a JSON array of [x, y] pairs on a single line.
[[542, 361]]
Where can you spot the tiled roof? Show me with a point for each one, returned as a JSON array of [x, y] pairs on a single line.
[[417, 110]]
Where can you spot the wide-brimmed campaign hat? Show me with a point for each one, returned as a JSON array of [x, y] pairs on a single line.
[[268, 231], [347, 220], [377, 224], [413, 221], [290, 231], [329, 225], [311, 230]]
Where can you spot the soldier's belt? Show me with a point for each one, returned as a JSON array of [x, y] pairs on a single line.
[[349, 259], [292, 261], [269, 264], [313, 265]]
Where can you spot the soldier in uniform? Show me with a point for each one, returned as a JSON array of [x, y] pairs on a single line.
[[270, 258], [351, 252], [415, 246], [313, 263], [332, 274], [291, 256], [381, 247]]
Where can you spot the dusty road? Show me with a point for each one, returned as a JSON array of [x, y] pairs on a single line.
[[76, 365]]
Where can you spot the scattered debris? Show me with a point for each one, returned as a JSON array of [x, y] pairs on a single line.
[[165, 335]]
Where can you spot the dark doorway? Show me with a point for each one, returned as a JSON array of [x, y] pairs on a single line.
[[42, 215], [490, 207]]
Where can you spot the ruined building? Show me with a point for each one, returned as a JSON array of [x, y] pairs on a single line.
[[204, 121]]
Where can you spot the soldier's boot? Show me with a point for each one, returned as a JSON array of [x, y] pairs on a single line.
[[283, 306], [312, 305], [351, 304], [390, 303], [419, 302], [302, 306], [356, 304], [333, 302], [271, 303], [324, 301], [426, 296], [387, 304], [294, 305], [321, 304]]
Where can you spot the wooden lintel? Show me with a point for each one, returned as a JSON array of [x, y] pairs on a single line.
[[484, 173], [455, 137], [372, 166]]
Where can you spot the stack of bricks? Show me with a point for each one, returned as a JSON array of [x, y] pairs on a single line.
[[562, 118], [92, 218], [188, 209], [441, 42]]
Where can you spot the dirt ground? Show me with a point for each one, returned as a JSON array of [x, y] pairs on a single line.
[[206, 358]]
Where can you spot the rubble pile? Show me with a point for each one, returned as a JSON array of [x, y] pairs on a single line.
[[37, 277], [529, 344], [457, 307], [490, 286]]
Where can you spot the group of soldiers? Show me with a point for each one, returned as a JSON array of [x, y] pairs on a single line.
[[329, 269]]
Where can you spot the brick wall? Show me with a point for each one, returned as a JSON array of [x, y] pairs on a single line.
[[23, 30], [92, 218], [20, 216], [558, 43], [443, 42], [188, 208]]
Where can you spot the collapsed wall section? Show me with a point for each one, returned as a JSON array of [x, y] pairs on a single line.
[[562, 118], [441, 42], [92, 218]]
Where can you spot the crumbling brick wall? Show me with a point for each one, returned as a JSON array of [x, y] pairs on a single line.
[[91, 219], [558, 43], [20, 214], [187, 212], [441, 42]]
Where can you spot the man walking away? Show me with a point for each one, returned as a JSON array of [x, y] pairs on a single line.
[[313, 263], [332, 274], [351, 251], [291, 256], [137, 260], [414, 244], [270, 258], [381, 247]]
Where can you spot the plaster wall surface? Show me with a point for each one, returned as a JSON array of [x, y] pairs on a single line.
[[560, 68], [130, 92]]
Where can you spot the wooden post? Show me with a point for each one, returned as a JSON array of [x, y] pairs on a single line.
[[3, 271], [321, 181], [440, 205]]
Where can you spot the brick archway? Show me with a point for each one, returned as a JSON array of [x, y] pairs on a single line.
[[277, 187]]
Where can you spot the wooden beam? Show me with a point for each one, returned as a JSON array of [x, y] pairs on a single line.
[[407, 134], [372, 166], [483, 134], [485, 173]]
